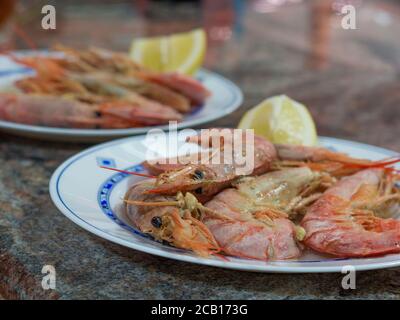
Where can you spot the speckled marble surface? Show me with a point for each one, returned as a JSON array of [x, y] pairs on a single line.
[[348, 78]]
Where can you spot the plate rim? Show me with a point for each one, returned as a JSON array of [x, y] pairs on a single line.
[[66, 211]]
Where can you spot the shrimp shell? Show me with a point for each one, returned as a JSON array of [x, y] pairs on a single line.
[[334, 226]]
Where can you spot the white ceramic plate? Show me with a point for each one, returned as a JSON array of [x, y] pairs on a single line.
[[91, 197], [225, 98]]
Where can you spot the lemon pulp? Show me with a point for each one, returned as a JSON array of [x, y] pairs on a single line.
[[181, 52], [281, 120]]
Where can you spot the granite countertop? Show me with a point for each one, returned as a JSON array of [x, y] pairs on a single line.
[[348, 78]]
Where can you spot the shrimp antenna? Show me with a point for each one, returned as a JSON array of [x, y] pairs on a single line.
[[388, 161], [129, 172], [24, 36], [380, 163], [160, 188], [153, 203]]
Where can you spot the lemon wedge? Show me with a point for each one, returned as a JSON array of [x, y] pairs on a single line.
[[281, 120], [180, 52]]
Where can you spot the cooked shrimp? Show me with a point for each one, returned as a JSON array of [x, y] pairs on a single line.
[[185, 85], [172, 89], [89, 86], [208, 179], [250, 220], [253, 218], [344, 221], [63, 112], [168, 219], [205, 180]]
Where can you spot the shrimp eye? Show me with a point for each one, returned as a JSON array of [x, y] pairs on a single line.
[[156, 222], [198, 175], [199, 191]]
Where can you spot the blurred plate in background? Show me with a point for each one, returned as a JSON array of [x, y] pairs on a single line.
[[225, 98]]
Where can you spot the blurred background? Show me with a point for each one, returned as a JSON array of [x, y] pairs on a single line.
[[348, 78]]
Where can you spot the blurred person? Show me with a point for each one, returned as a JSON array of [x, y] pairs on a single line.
[[6, 10]]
